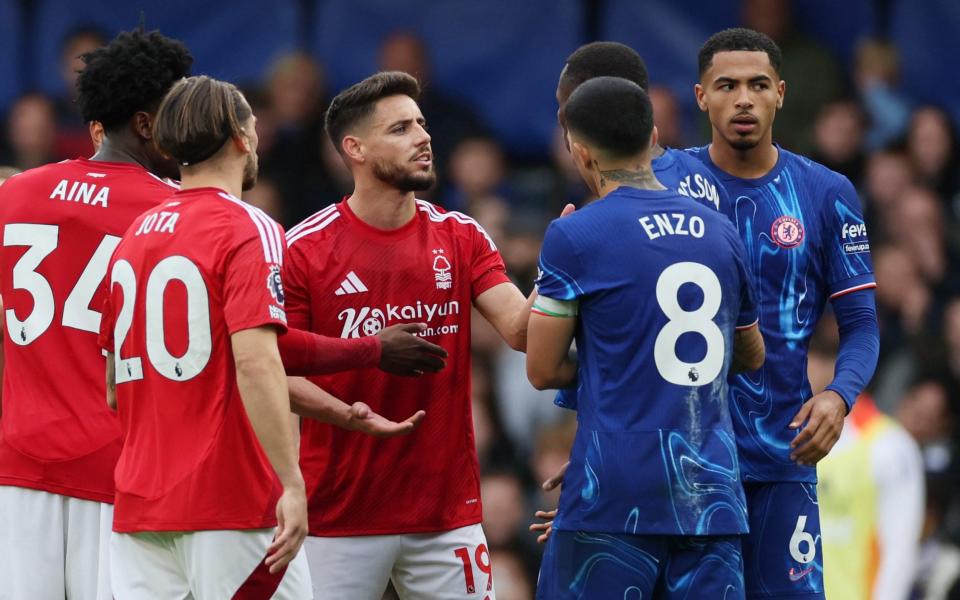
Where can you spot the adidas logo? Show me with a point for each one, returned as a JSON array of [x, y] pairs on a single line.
[[351, 285]]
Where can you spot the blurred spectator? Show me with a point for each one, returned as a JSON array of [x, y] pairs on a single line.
[[877, 76], [889, 174], [511, 575], [448, 119], [838, 134], [7, 172], [939, 565], [931, 144], [813, 76], [72, 139], [927, 412], [666, 116], [291, 122], [266, 196], [551, 452], [477, 169], [505, 509], [919, 229], [32, 130]]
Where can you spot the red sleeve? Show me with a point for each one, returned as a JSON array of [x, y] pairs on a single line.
[[107, 318], [487, 265], [306, 353], [253, 292], [295, 278]]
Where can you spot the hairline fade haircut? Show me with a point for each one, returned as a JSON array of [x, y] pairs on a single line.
[[356, 103], [604, 59], [197, 117], [735, 40], [613, 114], [129, 75]]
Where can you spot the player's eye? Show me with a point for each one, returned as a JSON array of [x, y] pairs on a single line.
[[400, 129], [726, 87], [761, 85]]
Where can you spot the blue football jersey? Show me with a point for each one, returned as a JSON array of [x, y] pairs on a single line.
[[687, 176], [805, 240], [662, 286]]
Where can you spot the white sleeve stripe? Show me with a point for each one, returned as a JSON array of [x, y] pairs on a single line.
[[459, 217], [164, 181], [312, 219], [855, 288], [743, 327], [267, 228], [305, 232]]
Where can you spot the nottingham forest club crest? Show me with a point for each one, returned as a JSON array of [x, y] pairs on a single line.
[[441, 270], [787, 232]]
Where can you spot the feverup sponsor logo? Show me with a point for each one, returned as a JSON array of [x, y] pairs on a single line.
[[853, 230]]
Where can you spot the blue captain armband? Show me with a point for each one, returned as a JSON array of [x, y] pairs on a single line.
[[550, 307]]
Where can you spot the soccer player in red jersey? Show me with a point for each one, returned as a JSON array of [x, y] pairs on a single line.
[[406, 509], [210, 501], [60, 223]]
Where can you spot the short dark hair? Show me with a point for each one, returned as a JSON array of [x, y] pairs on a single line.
[[739, 38], [604, 59], [358, 101], [613, 113], [130, 74], [197, 117]]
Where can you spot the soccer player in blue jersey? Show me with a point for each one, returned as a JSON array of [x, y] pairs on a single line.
[[806, 243], [654, 289]]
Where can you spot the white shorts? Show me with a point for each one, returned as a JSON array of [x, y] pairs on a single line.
[[202, 565], [52, 546], [447, 565]]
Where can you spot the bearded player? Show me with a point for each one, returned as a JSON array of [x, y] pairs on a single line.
[[402, 509]]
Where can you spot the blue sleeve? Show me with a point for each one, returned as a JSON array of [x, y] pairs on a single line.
[[560, 267], [847, 248], [856, 314], [566, 398], [749, 312]]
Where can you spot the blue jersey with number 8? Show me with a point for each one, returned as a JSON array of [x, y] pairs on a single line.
[[662, 287]]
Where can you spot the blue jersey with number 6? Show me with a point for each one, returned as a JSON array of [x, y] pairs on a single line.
[[662, 287]]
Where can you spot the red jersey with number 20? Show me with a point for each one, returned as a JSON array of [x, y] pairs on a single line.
[[188, 274], [346, 278], [59, 225]]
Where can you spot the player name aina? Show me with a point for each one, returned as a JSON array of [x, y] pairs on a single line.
[[81, 191]]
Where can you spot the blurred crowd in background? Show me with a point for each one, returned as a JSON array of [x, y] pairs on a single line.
[[853, 113]]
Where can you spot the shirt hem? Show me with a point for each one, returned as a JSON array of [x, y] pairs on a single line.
[[349, 532], [142, 527], [60, 490]]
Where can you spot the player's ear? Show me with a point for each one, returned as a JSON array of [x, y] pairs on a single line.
[[698, 91], [242, 143], [143, 125], [654, 137], [581, 154], [353, 148], [781, 91]]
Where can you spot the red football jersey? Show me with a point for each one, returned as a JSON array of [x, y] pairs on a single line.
[[60, 223], [346, 278], [187, 275]]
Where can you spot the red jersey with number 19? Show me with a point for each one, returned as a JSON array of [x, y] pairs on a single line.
[[186, 276], [346, 278], [60, 223]]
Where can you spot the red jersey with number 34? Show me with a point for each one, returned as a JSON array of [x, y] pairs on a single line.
[[59, 225], [345, 278], [186, 276]]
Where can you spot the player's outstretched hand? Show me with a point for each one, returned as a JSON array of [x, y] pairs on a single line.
[[403, 353], [557, 479], [822, 420], [291, 528], [545, 528], [363, 418]]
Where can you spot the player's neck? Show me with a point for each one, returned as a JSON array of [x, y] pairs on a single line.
[[116, 150], [635, 173], [382, 206], [212, 175], [749, 163]]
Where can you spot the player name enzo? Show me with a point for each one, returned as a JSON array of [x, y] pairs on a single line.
[[672, 224], [368, 320], [81, 191]]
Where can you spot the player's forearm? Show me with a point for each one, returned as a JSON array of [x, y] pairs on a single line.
[[307, 353], [309, 400], [521, 320], [263, 388], [749, 351]]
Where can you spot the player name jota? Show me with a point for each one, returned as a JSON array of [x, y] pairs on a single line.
[[369, 320]]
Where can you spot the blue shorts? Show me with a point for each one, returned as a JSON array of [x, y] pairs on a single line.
[[782, 555], [597, 566]]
